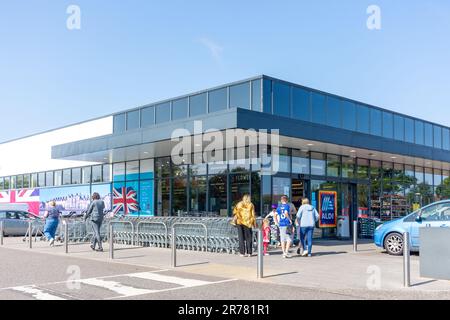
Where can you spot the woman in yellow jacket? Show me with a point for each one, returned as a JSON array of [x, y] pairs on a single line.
[[245, 220]]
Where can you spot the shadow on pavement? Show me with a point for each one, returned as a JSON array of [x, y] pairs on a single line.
[[280, 274], [192, 264]]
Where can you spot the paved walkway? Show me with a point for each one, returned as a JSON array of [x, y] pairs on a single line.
[[369, 273]]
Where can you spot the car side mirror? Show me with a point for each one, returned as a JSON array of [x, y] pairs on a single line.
[[419, 218]]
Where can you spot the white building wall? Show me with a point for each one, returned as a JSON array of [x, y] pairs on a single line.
[[33, 154]]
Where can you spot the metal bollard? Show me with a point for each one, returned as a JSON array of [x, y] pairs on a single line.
[[30, 234], [355, 236], [66, 236], [174, 249], [406, 261], [260, 272], [1, 232], [111, 241]]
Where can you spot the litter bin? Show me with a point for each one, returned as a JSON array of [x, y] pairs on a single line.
[[343, 227]]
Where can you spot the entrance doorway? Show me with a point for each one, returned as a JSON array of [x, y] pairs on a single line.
[[294, 188]]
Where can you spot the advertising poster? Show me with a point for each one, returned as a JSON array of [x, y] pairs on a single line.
[[146, 198], [29, 197], [68, 199], [125, 199], [327, 209]]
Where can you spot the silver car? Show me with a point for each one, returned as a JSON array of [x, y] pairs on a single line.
[[15, 222]]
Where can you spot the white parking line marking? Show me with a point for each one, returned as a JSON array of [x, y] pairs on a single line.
[[170, 279], [124, 291], [38, 294]]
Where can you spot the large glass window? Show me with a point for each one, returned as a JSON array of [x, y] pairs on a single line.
[[179, 198], [163, 112], [147, 169], [334, 112], [218, 100], [34, 180], [197, 105], [300, 162], [409, 130], [180, 109], [318, 164], [119, 123], [147, 117], [348, 167], [76, 176], [428, 134], [67, 177], [107, 173], [419, 128], [319, 114], [58, 178], [162, 197], [86, 175], [375, 122], [281, 99], [7, 183], [333, 165], [240, 96], [256, 95], [96, 174], [218, 194], [267, 96], [49, 179], [348, 115], [26, 180], [419, 175], [284, 161], [300, 104], [198, 193], [388, 125], [19, 182], [133, 120], [132, 170], [446, 139], [363, 119], [437, 137], [119, 171], [363, 169], [41, 179], [399, 128], [2, 185]]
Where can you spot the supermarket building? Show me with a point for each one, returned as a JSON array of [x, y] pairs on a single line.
[[364, 160]]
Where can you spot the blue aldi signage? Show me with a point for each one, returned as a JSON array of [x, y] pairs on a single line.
[[328, 209]]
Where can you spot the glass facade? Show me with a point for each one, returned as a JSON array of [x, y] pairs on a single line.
[[289, 100]]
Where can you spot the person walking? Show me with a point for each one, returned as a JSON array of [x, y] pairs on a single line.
[[51, 216], [95, 213], [245, 220], [307, 217], [284, 221]]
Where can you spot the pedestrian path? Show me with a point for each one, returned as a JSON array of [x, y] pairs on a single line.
[[110, 287]]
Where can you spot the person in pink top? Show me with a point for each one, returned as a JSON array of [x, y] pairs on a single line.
[[266, 235]]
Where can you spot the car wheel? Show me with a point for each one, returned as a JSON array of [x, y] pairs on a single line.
[[394, 244]]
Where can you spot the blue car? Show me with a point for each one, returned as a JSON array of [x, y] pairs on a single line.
[[389, 235]]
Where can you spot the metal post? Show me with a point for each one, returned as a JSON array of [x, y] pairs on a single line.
[[406, 261], [355, 236], [66, 236], [30, 234], [174, 249], [260, 273], [1, 232], [111, 241]]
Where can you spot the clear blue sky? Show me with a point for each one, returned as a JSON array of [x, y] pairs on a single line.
[[130, 53]]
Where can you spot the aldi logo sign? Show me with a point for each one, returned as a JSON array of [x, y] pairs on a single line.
[[328, 209]]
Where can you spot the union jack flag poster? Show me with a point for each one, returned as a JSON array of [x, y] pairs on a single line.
[[27, 196], [125, 200]]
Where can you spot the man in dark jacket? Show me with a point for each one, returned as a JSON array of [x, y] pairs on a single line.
[[95, 214]]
